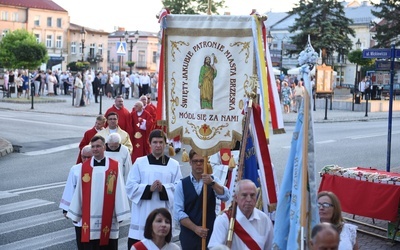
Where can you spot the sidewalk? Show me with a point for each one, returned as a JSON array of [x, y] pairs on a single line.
[[63, 105]]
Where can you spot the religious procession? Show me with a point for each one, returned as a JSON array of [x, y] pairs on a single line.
[[217, 95]]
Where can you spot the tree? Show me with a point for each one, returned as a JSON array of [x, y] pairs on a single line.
[[356, 56], [327, 25], [387, 30], [192, 6], [19, 49]]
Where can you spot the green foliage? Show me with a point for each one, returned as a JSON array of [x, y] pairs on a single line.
[[356, 57], [130, 64], [325, 22], [192, 6], [82, 65], [387, 30], [19, 49]]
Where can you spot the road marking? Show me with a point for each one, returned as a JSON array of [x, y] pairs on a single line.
[[22, 205], [53, 150], [327, 141], [36, 188], [27, 222], [44, 123], [5, 194], [52, 239], [369, 135]]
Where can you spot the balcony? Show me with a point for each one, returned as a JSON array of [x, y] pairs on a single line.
[[95, 58]]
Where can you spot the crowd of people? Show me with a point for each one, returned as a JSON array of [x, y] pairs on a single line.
[[111, 183], [291, 94], [86, 86]]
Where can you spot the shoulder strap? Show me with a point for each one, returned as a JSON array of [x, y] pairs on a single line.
[[139, 246]]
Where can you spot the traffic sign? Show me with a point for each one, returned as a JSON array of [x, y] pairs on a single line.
[[385, 65], [121, 48], [376, 53], [397, 53]]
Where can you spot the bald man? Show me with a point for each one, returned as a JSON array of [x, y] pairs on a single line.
[[324, 236]]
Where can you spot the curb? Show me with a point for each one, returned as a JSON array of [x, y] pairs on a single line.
[[5, 147]]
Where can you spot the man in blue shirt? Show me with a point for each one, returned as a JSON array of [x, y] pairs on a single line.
[[188, 202]]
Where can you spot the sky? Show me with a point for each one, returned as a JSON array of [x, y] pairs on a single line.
[[141, 14]]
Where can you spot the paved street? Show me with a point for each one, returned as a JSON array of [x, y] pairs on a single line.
[[63, 105]]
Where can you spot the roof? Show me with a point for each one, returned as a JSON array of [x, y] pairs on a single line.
[[121, 33], [37, 4], [76, 27]]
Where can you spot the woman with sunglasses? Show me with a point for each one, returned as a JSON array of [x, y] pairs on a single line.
[[330, 211]]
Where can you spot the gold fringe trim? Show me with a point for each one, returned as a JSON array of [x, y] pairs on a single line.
[[185, 156]]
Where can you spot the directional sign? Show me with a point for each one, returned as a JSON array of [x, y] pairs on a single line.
[[376, 53], [121, 48], [397, 53], [385, 65]]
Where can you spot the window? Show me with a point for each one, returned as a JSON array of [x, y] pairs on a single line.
[[49, 41], [80, 48], [4, 15], [59, 42], [92, 46], [59, 22], [36, 21], [49, 22], [73, 48], [14, 17], [37, 38], [154, 56], [142, 57], [100, 49]]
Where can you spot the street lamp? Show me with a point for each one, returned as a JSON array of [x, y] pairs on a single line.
[[270, 38], [358, 46], [83, 36], [131, 42]]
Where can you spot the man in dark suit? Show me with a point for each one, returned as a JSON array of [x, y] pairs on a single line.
[[96, 86]]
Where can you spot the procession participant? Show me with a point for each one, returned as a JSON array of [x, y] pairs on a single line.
[[253, 228], [188, 201], [149, 107], [324, 236], [88, 135], [151, 184], [113, 127], [103, 209], [124, 116], [157, 232], [72, 180], [142, 125], [115, 150]]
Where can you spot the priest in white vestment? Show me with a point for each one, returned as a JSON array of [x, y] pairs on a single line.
[[150, 184], [115, 150]]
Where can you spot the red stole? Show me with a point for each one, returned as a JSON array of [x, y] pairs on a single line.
[[139, 246], [242, 234], [111, 176]]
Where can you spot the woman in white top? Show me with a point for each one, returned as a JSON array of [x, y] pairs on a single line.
[[157, 232], [88, 89], [78, 89], [330, 211]]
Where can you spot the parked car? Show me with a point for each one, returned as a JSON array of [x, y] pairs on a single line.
[[386, 91]]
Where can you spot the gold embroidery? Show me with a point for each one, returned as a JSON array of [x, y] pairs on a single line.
[[110, 182], [86, 177], [106, 230], [85, 227], [138, 135]]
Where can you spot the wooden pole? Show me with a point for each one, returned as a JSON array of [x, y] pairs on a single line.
[[204, 217], [239, 172], [304, 178], [209, 7]]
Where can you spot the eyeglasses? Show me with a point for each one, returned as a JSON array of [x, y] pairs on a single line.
[[197, 161], [324, 205], [112, 119]]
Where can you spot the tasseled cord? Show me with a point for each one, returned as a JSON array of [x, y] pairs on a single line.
[[171, 150], [185, 156]]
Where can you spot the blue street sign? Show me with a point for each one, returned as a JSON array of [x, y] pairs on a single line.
[[121, 48], [397, 53], [376, 53], [385, 65]]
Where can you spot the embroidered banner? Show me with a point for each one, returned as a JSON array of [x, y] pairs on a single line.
[[210, 67]]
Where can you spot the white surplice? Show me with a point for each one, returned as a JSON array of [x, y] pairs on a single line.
[[149, 244], [69, 189], [142, 174], [121, 209], [123, 157]]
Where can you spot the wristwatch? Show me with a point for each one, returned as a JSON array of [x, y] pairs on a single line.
[[212, 183]]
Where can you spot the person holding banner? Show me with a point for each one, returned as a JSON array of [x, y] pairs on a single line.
[[188, 203], [253, 228], [150, 184]]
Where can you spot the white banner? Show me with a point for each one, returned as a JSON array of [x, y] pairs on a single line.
[[210, 66]]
